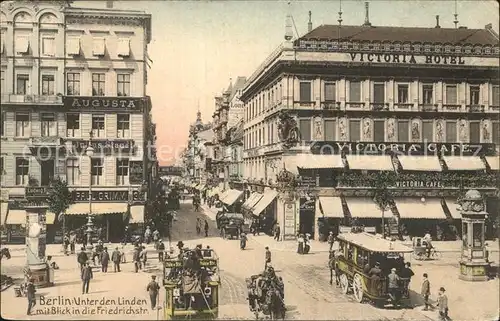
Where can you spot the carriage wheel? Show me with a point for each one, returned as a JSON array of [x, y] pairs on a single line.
[[418, 256], [436, 255], [256, 313], [357, 288], [344, 283]]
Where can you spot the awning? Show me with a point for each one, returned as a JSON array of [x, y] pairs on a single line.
[[232, 196], [365, 207], [97, 208], [50, 218], [453, 208], [431, 208], [4, 209], [420, 163], [370, 162], [214, 191], [223, 195], [136, 214], [331, 206], [464, 163], [252, 201], [494, 162], [264, 202], [16, 217], [310, 161]]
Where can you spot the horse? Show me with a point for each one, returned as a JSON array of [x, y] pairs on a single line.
[[5, 252], [275, 304]]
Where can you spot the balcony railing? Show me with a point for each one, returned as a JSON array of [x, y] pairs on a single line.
[[354, 105], [29, 99], [475, 108], [379, 106], [48, 141], [405, 106], [331, 105], [451, 107], [428, 107]]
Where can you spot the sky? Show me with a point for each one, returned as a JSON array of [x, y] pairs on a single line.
[[198, 46]]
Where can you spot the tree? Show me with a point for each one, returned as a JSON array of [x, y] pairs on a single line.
[[59, 200], [382, 195]]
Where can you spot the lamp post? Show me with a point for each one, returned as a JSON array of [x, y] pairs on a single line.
[[90, 152]]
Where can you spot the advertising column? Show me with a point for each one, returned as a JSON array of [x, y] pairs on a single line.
[[36, 235]]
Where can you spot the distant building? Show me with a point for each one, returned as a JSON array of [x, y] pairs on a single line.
[[194, 158]]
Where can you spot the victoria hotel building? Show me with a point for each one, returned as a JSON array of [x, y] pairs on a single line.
[[420, 103], [70, 76]]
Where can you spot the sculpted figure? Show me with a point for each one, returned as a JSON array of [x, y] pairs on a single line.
[[462, 130], [391, 130], [415, 130]]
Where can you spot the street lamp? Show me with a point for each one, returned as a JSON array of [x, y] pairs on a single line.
[[90, 152]]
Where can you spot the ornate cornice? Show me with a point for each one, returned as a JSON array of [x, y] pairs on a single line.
[[103, 19]]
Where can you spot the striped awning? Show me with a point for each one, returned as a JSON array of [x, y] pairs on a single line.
[[331, 206], [494, 162], [264, 202], [232, 196], [464, 163], [16, 217], [370, 162], [453, 208], [414, 208], [365, 207], [97, 208], [251, 201], [136, 214], [4, 209], [420, 163], [50, 218], [310, 161]]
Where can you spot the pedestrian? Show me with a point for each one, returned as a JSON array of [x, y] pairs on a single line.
[[277, 232], [426, 291], [198, 228], [104, 260], [87, 275], [161, 250], [144, 257], [82, 258], [406, 274], [331, 240], [300, 244], [268, 258], [206, 228], [147, 235], [394, 280], [30, 294], [66, 243], [116, 258], [331, 265], [72, 241], [442, 303], [137, 259], [153, 288]]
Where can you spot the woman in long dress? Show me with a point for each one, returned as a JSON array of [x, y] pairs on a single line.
[[300, 240]]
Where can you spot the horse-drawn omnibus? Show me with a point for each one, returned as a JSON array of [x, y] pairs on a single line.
[[192, 286], [358, 254]]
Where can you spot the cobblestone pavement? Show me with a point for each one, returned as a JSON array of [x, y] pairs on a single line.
[[308, 294]]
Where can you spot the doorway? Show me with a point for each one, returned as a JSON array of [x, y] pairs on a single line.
[[48, 171]]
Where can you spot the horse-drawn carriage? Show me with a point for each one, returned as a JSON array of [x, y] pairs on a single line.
[[363, 264], [230, 224], [266, 295], [5, 281]]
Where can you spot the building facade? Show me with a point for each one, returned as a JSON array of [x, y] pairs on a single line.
[[343, 103], [73, 77], [195, 156]]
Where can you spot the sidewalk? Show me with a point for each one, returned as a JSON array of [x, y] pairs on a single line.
[[210, 212]]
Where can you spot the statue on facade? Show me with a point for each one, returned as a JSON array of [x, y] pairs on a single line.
[[462, 130], [415, 130], [486, 131], [286, 180], [367, 129], [288, 131], [342, 129], [439, 131], [318, 128], [391, 129]]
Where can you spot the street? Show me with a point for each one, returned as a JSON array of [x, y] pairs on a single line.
[[308, 294]]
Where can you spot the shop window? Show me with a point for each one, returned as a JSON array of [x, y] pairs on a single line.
[[22, 84], [305, 91], [122, 172], [330, 91], [474, 132], [495, 95], [451, 94], [355, 91], [403, 131], [123, 83], [474, 95], [329, 129], [98, 126], [22, 171], [73, 171], [379, 93], [354, 130], [123, 125], [451, 131], [23, 124], [98, 84], [73, 125], [97, 165], [428, 94], [48, 125], [73, 83], [305, 129]]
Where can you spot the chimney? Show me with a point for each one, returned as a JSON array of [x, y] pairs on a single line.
[[437, 22], [367, 15], [109, 4], [309, 24], [489, 26]]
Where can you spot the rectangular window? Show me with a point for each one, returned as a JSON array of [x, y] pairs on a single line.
[[305, 91], [428, 94], [330, 91], [72, 125], [403, 94], [48, 85], [451, 94], [2, 125], [22, 84], [22, 44], [428, 131], [474, 95], [329, 129], [22, 124], [495, 132], [123, 48], [379, 93], [1, 170], [48, 46], [123, 85], [48, 125], [73, 171], [379, 131], [2, 83], [451, 131], [98, 84], [73, 46], [97, 171], [22, 171], [73, 84], [123, 125], [305, 129], [403, 131], [122, 172], [98, 126], [474, 132], [354, 130], [98, 46], [495, 95], [355, 91]]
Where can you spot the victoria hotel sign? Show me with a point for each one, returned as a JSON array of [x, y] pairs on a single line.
[[407, 58]]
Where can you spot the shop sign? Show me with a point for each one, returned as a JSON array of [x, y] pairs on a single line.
[[307, 181], [289, 220], [169, 171], [407, 58], [136, 172], [108, 196], [104, 145], [377, 148], [419, 184], [103, 103], [36, 192], [308, 204]]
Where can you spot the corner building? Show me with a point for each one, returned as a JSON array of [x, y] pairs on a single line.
[[342, 103], [71, 76]]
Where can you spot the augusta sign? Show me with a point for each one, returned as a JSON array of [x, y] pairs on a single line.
[[103, 103]]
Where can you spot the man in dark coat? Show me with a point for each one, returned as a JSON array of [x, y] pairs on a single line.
[[116, 258], [161, 250], [82, 258], [268, 258], [136, 258], [104, 260], [30, 289], [153, 288], [206, 228], [87, 275]]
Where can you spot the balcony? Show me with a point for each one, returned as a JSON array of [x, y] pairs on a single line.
[[330, 105], [475, 108], [403, 106], [304, 104], [451, 107], [38, 144], [427, 107], [354, 105], [31, 99], [379, 106]]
